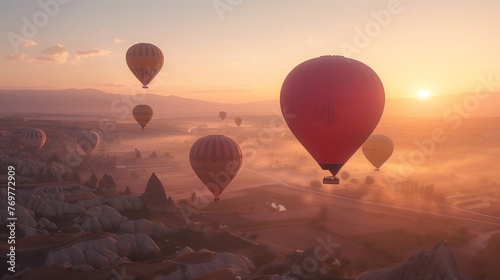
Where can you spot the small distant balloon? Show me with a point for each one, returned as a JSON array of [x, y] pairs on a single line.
[[378, 149], [142, 114], [238, 121], [222, 115], [88, 141], [32, 140], [216, 159], [145, 61]]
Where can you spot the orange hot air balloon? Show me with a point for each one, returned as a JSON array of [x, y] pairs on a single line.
[[88, 141], [145, 61], [238, 121], [222, 115], [216, 159], [378, 149], [32, 140], [332, 104], [142, 114]]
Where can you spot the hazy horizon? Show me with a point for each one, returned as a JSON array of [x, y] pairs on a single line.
[[242, 51]]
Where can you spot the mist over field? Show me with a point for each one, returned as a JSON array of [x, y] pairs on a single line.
[[277, 198]]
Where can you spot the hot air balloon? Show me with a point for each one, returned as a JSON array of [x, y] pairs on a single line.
[[145, 61], [222, 115], [88, 141], [216, 159], [142, 114], [32, 140], [332, 104], [238, 121], [378, 149]]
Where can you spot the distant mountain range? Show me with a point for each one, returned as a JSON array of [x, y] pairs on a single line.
[[95, 102]]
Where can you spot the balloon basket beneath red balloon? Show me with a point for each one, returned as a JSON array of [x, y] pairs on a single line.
[[331, 180], [144, 86]]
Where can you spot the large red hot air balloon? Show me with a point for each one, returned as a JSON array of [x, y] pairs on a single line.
[[145, 61], [32, 140], [332, 104], [216, 159]]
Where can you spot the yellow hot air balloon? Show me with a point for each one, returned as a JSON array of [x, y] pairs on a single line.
[[142, 114], [145, 61], [238, 121], [378, 149], [32, 140], [216, 159]]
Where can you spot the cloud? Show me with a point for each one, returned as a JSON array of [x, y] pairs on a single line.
[[80, 55], [55, 53], [29, 43], [119, 41], [14, 57]]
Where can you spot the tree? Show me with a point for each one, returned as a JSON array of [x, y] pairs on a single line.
[[138, 154]]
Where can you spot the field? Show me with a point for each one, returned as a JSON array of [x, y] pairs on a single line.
[[373, 222]]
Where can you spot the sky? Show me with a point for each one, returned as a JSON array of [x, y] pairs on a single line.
[[240, 51]]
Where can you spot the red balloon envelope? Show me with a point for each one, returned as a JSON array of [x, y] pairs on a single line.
[[332, 104]]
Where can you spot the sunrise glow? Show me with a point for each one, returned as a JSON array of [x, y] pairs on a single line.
[[423, 94]]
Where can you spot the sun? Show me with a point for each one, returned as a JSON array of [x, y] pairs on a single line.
[[423, 94]]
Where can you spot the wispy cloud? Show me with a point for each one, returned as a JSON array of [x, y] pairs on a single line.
[[14, 57], [119, 41], [29, 43], [55, 53], [80, 55]]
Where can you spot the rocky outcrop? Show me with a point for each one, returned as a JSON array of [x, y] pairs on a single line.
[[155, 198], [107, 184], [431, 264]]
